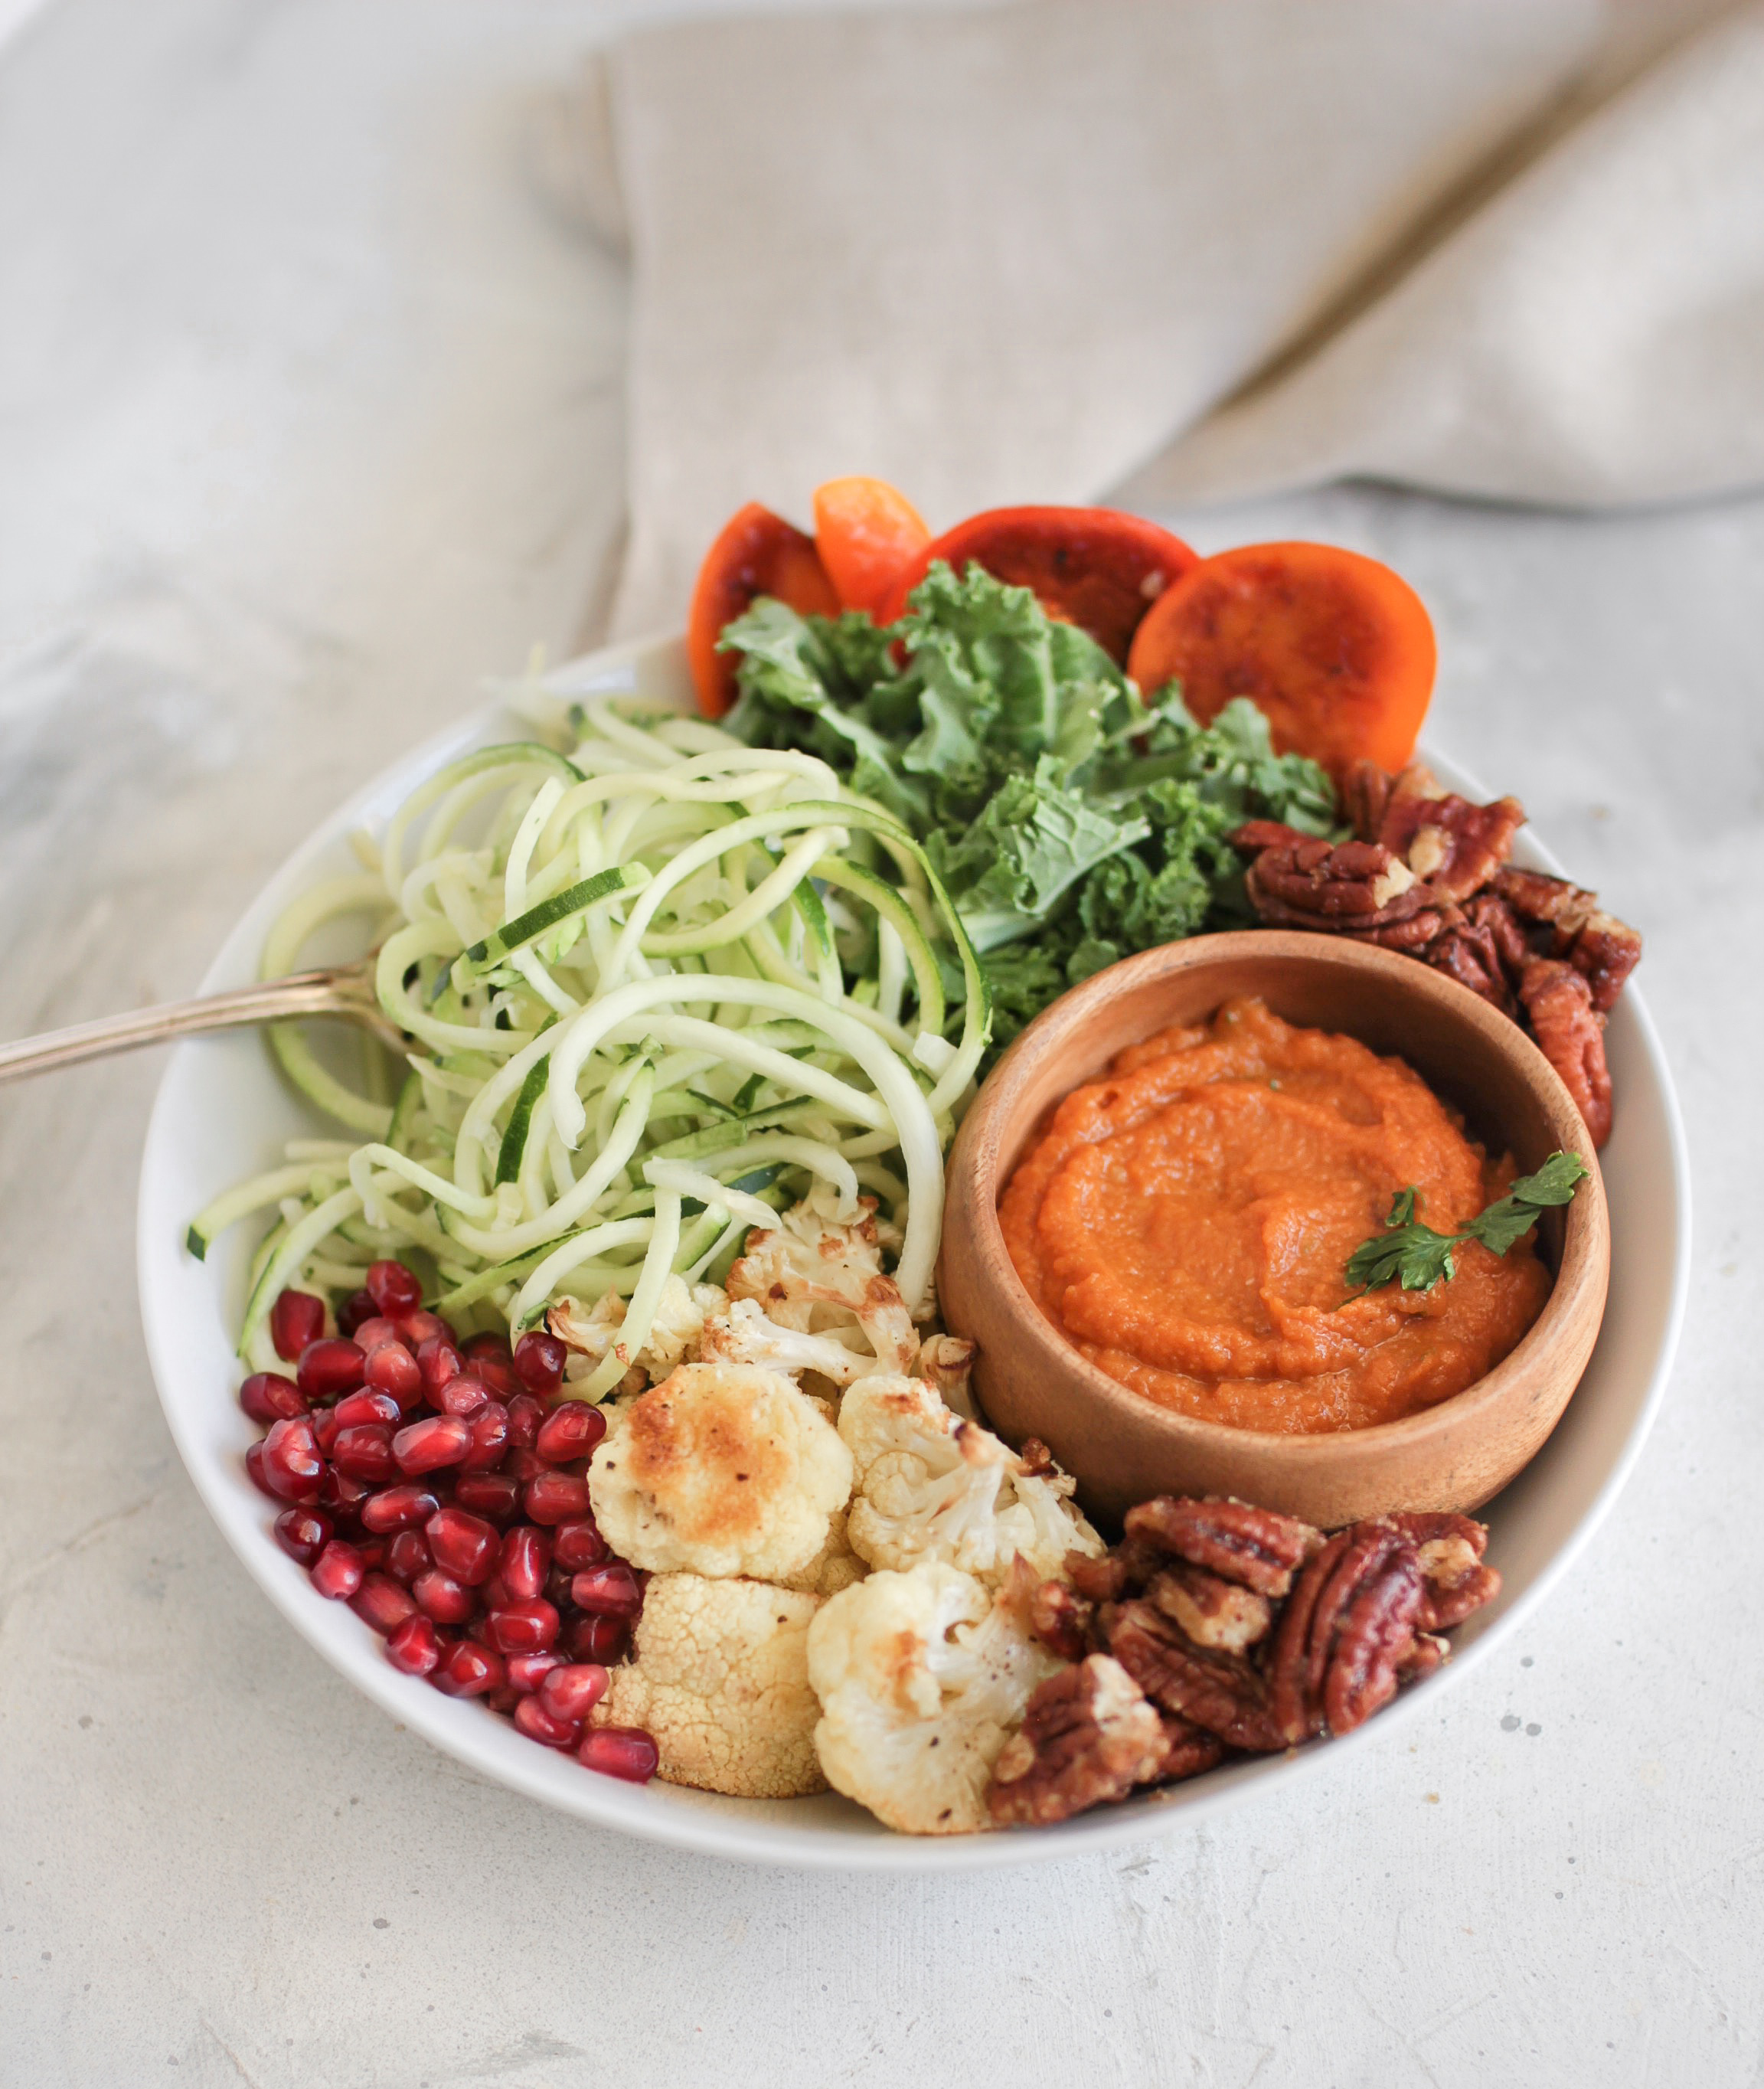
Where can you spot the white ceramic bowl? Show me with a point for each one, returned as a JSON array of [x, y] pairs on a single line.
[[223, 1112]]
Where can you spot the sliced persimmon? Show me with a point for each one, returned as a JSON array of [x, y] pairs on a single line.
[[1336, 650], [867, 534], [755, 553], [1093, 567]]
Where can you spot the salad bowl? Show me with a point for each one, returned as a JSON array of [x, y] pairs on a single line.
[[223, 1112]]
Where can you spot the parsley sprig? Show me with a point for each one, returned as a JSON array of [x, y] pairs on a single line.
[[1417, 1257]]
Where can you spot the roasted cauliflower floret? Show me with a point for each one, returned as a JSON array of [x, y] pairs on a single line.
[[720, 1469], [674, 1335], [744, 1335], [835, 1567], [811, 1274], [922, 1677], [932, 1486], [946, 1364], [719, 1676]]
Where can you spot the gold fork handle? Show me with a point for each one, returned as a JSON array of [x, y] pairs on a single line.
[[338, 990]]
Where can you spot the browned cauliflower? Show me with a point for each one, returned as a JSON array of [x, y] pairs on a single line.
[[932, 1486], [674, 1335], [835, 1567], [813, 1275], [721, 1469], [922, 1677], [744, 1335], [719, 1676]]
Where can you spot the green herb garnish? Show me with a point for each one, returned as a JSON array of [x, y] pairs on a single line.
[[1417, 1257]]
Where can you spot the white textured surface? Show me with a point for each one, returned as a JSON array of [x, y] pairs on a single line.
[[308, 418]]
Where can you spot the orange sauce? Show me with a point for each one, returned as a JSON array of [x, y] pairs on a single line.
[[1186, 1223]]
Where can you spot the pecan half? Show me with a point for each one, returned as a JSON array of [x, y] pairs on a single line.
[[1469, 952], [1455, 846], [1376, 1638], [1087, 1736], [1258, 1548], [1223, 1692], [1449, 1550], [1604, 950], [1188, 1750], [1213, 1612], [1559, 1003], [1305, 883], [1060, 1618], [1347, 1624]]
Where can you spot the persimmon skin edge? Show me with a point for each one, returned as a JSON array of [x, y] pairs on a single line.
[[755, 552], [1335, 649]]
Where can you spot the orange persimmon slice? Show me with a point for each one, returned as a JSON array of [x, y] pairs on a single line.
[[867, 534], [1093, 567], [755, 553], [1336, 650]]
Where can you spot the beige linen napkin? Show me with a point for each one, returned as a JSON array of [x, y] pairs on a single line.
[[1009, 253]]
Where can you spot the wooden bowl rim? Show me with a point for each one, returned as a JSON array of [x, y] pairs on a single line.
[[1586, 1243]]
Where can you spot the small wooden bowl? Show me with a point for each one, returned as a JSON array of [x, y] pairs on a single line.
[[1123, 1448]]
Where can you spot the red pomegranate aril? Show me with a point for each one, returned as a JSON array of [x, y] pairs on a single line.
[[527, 1672], [356, 1409], [416, 1328], [395, 1288], [625, 1752], [611, 1590], [365, 1453], [464, 1545], [382, 1603], [468, 1669], [539, 1362], [372, 1333], [572, 1430], [339, 1570], [355, 1310], [537, 1724], [342, 1497], [303, 1533], [407, 1556], [330, 1367], [497, 1373], [578, 1544], [463, 1395], [573, 1689], [253, 1465], [443, 1597], [438, 1360], [489, 1437], [496, 1593], [437, 1440], [525, 1560], [523, 1627], [488, 1345], [295, 1320], [267, 1397], [524, 1416], [292, 1462], [398, 1508], [504, 1700], [391, 1369], [598, 1639], [373, 1552], [556, 1498], [524, 1465], [326, 1429], [495, 1495], [414, 1646]]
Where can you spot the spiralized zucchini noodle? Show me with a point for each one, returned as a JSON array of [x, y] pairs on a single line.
[[655, 989]]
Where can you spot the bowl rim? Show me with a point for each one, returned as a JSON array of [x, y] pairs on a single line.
[[1586, 1234]]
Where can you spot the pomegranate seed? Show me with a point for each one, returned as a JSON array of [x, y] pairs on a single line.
[[394, 1287], [357, 1307], [365, 1453], [497, 1373], [489, 1437], [496, 1593], [253, 1465], [495, 1495], [303, 1533], [296, 1318], [267, 1397], [342, 1496], [373, 1552], [291, 1461], [391, 1368], [464, 1545], [407, 1556], [326, 1429], [504, 1700], [381, 1603], [539, 1725], [599, 1639], [468, 1669], [611, 1590], [557, 1587], [524, 1465], [556, 1497], [488, 1345], [329, 1367], [570, 1430], [397, 1509], [527, 1672], [539, 1362], [525, 1561], [414, 1646], [524, 1416], [625, 1752], [438, 1360], [571, 1691], [463, 1394], [437, 1440], [416, 1328], [579, 1544], [443, 1597], [372, 1333], [523, 1627], [355, 1409], [338, 1570]]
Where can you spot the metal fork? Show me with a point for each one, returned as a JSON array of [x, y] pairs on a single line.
[[343, 990]]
